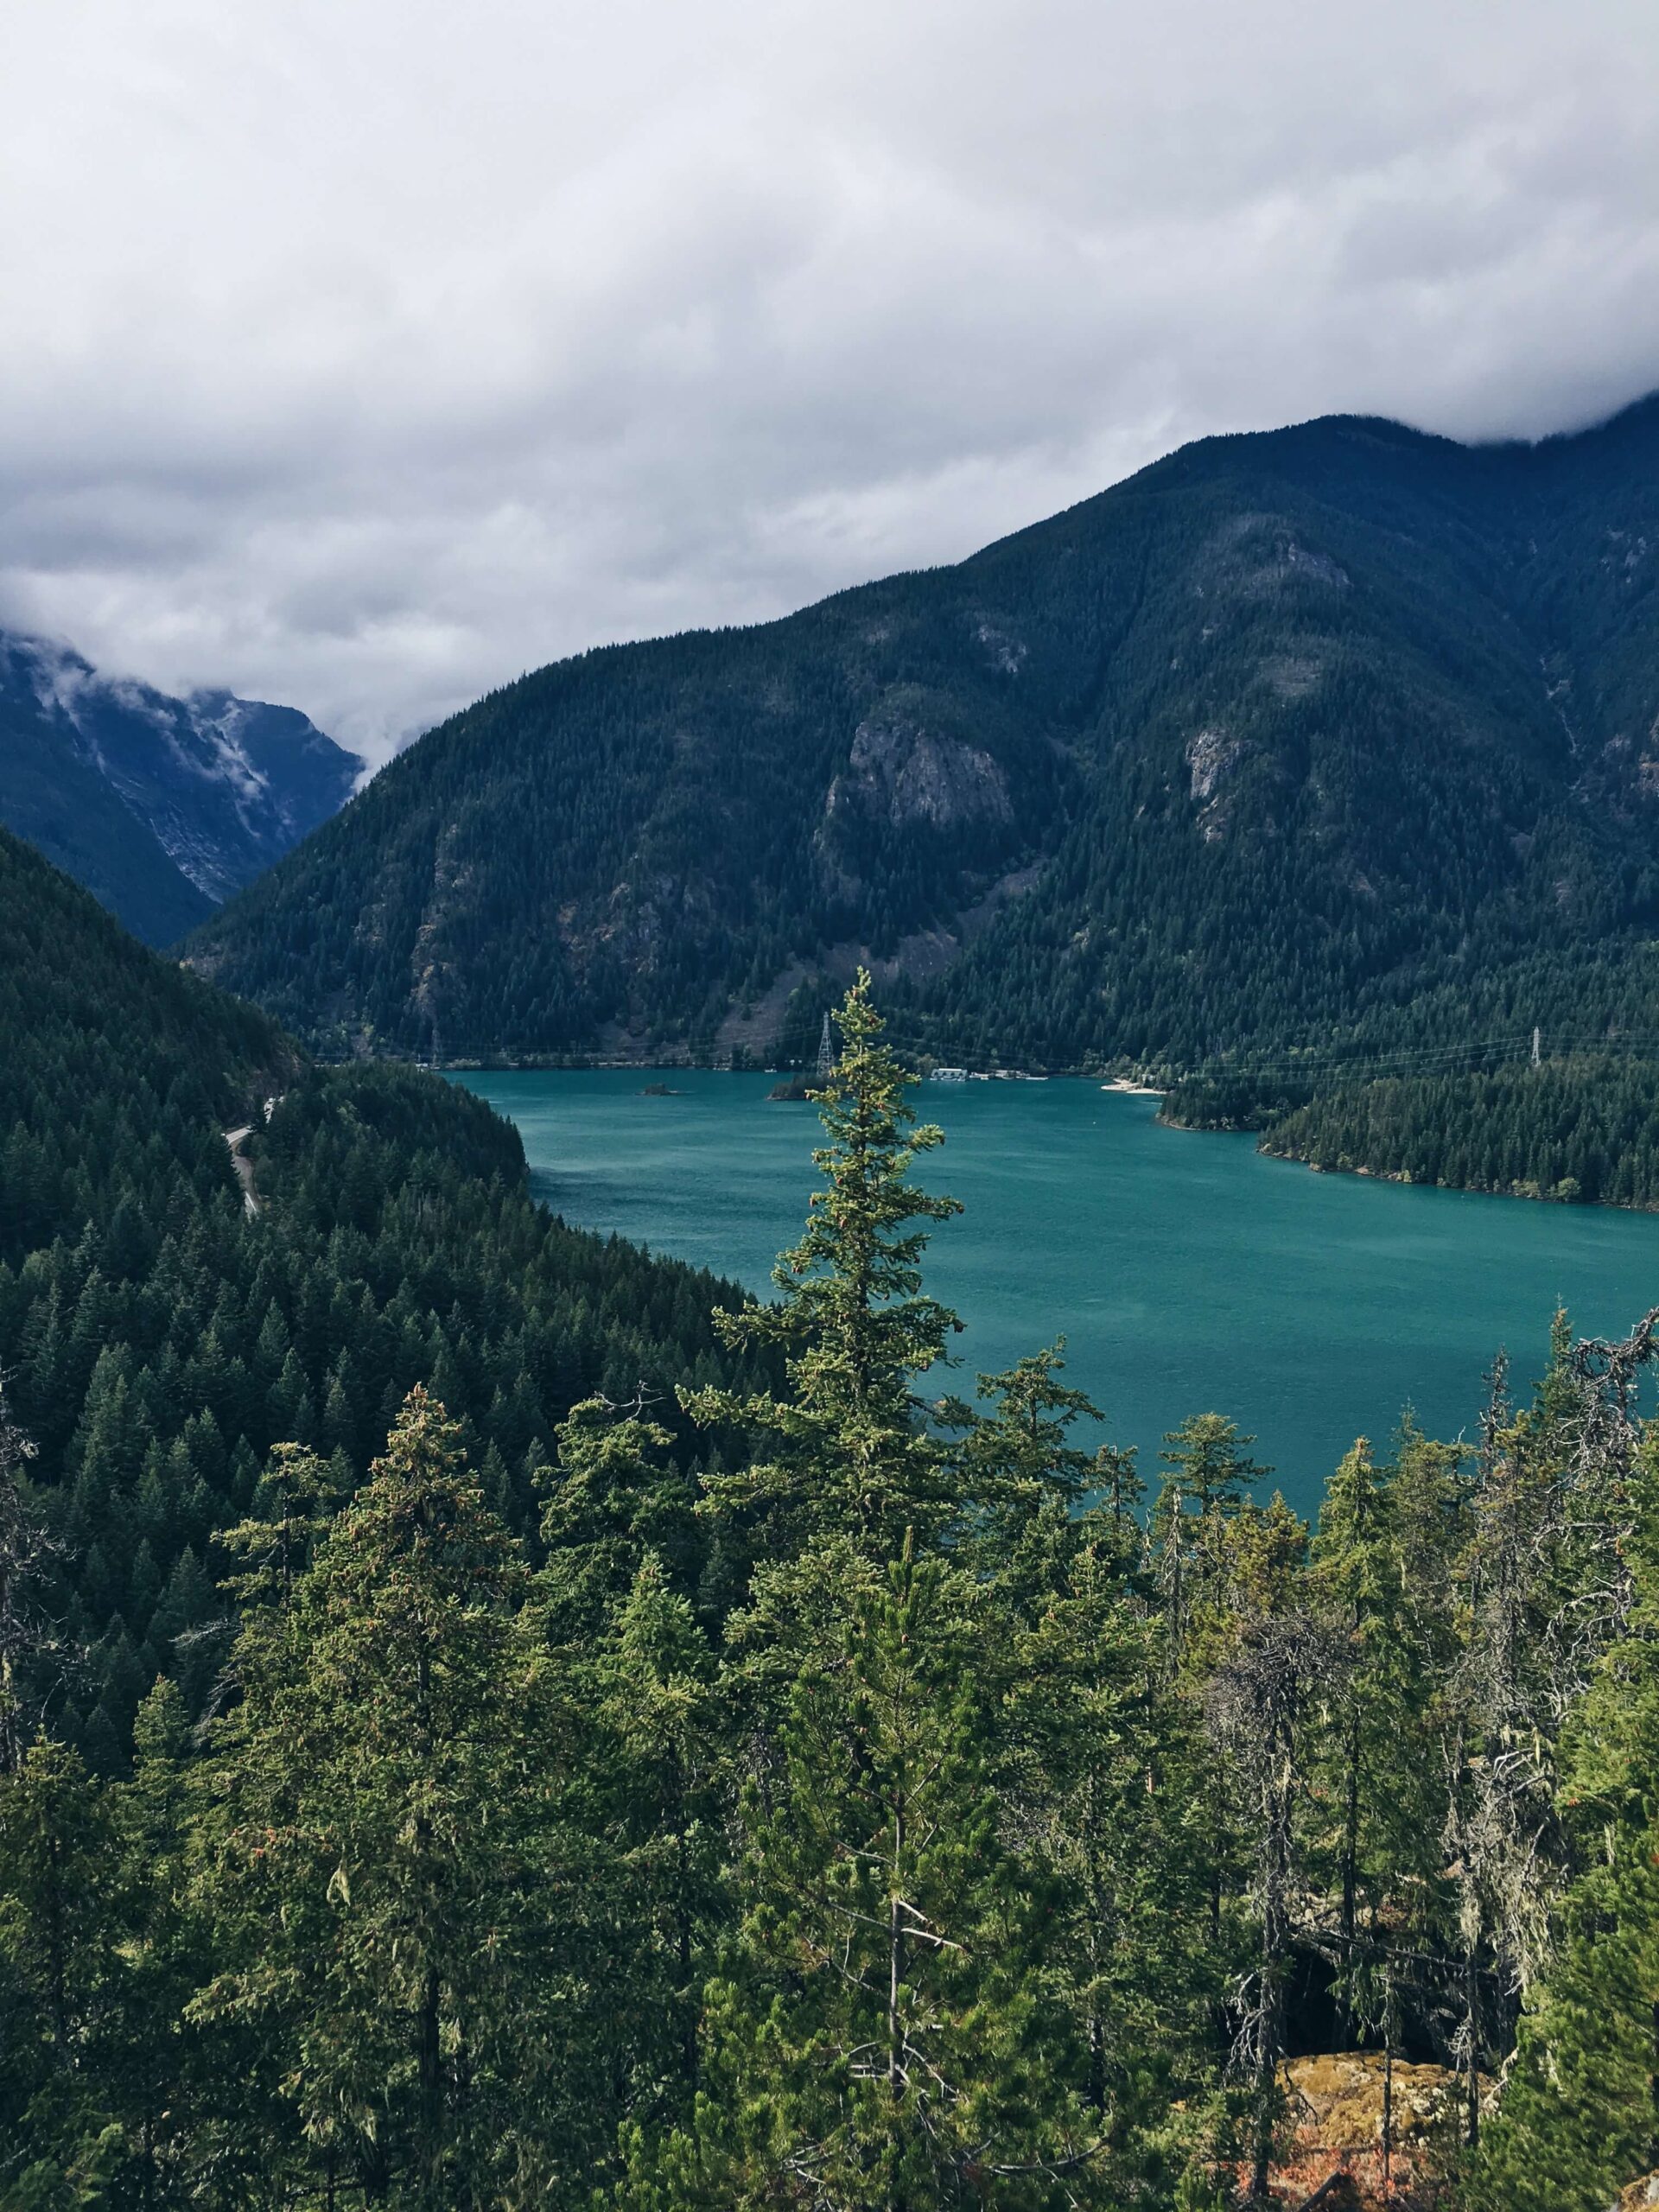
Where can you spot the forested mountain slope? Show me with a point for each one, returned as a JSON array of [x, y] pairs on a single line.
[[1338, 728], [158, 1339], [161, 807]]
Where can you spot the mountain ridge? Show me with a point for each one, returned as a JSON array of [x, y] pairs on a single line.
[[1331, 728]]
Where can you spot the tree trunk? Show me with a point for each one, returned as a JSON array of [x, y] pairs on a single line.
[[1349, 1872], [1387, 2110], [57, 1962], [682, 1932], [896, 1965], [431, 2065]]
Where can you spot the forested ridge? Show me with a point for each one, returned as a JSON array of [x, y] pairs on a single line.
[[745, 1784], [1582, 1129], [1336, 737], [157, 1341]]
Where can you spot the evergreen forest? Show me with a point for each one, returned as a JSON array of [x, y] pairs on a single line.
[[158, 1338], [1582, 1129], [489, 1719]]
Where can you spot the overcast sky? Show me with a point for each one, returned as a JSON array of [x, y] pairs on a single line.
[[362, 353]]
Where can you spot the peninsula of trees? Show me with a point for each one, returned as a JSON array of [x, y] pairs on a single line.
[[1582, 1129]]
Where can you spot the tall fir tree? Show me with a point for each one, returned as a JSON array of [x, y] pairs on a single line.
[[1374, 1747], [1210, 1475], [384, 1869], [24, 1551], [848, 1453], [1580, 2118], [1097, 1773], [1022, 1477], [61, 1971]]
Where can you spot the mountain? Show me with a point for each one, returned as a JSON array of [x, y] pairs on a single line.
[[163, 807], [92, 1024], [156, 1338], [1339, 732]]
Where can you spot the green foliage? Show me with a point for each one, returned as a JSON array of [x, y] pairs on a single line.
[[1026, 1477], [852, 1321], [159, 1340], [1102, 1771], [783, 1793], [411, 1985], [58, 1931], [1210, 1474], [1584, 1129], [1378, 1767], [1580, 2116], [883, 2037]]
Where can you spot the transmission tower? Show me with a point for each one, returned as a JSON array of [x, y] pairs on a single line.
[[826, 1052], [1537, 1046]]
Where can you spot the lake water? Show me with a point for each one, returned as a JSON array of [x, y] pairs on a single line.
[[1188, 1274]]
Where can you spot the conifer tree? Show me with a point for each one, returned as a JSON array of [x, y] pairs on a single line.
[[24, 1552], [1210, 1476], [1098, 1771], [1522, 1661], [167, 1951], [857, 1330], [1374, 1748], [608, 1502], [882, 2041], [60, 1972], [380, 1866], [297, 1490], [1119, 1490], [659, 1692], [1023, 1477], [1258, 1703], [1579, 2117]]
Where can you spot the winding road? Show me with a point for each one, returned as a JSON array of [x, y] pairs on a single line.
[[236, 1139]]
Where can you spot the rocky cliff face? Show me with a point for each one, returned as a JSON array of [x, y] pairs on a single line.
[[910, 775], [161, 806]]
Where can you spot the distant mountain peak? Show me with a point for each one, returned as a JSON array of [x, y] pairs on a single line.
[[163, 806]]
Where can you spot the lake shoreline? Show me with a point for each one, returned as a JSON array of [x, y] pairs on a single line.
[[795, 1089], [1525, 1194]]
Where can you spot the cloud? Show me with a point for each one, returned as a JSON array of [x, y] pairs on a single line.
[[362, 353]]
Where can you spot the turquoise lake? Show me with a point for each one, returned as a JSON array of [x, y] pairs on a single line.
[[1187, 1273]]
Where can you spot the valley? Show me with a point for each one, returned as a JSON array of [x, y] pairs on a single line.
[[163, 807], [835, 1388], [434, 1506]]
